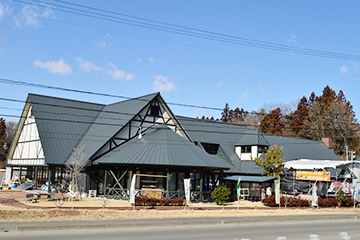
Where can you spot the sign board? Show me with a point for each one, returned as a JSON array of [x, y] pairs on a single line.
[[277, 192], [313, 176]]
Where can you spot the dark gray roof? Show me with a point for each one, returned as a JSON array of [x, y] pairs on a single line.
[[111, 120], [245, 178], [230, 135], [224, 134], [160, 145], [299, 148], [61, 124], [252, 137]]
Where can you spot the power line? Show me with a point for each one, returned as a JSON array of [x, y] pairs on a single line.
[[97, 111], [22, 83], [193, 46], [187, 31]]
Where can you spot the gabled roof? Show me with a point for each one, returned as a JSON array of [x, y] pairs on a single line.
[[224, 134], [61, 124], [252, 137], [230, 135], [245, 178], [111, 120], [160, 145], [298, 148]]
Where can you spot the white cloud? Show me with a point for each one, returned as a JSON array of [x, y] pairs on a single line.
[[244, 95], [219, 85], [161, 84], [262, 88], [4, 10], [48, 13], [30, 16], [88, 66], [106, 42], [292, 39], [59, 67], [345, 70], [119, 74]]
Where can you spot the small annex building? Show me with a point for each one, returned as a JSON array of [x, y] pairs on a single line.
[[141, 136]]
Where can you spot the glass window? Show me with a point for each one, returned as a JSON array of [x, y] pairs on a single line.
[[172, 181], [262, 149], [245, 149], [181, 177], [210, 148]]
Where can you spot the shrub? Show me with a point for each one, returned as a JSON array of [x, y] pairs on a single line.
[[327, 202], [299, 202], [146, 201], [221, 194], [341, 198], [291, 202]]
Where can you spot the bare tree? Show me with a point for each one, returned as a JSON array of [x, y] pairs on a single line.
[[75, 165]]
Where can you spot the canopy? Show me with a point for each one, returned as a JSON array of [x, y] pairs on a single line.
[[315, 164], [245, 178]]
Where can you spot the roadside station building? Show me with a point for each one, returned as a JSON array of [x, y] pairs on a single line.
[[141, 136]]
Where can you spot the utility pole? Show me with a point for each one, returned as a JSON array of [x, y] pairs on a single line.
[[347, 152]]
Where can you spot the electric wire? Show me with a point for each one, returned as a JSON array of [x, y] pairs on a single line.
[[188, 31], [195, 46]]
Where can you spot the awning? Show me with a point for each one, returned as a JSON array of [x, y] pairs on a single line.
[[257, 179], [315, 164]]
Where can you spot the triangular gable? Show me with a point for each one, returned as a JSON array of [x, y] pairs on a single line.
[[120, 122], [60, 124], [27, 147]]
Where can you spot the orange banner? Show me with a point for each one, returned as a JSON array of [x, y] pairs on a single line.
[[313, 176]]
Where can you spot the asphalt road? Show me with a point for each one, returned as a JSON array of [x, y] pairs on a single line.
[[278, 230]]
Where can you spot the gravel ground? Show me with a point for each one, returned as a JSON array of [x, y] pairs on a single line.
[[92, 209]]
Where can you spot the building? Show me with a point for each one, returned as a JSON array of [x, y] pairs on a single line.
[[140, 136]]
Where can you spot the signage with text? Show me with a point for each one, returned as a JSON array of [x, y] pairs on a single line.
[[313, 176]]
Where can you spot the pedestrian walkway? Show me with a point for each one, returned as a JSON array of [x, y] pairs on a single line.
[[8, 198]]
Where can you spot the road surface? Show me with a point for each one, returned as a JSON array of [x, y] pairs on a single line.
[[307, 230]]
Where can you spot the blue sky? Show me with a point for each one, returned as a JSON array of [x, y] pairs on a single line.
[[44, 45]]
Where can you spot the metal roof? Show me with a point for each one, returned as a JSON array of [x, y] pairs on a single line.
[[245, 178], [61, 124], [230, 135], [252, 137], [110, 120], [160, 145], [299, 148]]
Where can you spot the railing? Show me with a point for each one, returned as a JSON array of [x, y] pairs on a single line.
[[116, 193]]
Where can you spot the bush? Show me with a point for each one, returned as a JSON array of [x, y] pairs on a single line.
[[327, 202], [146, 201], [290, 202], [298, 202], [221, 194]]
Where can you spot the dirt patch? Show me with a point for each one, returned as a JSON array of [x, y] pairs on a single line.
[[92, 209]]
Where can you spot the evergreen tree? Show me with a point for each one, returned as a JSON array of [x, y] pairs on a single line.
[[299, 118], [3, 147], [272, 163], [226, 114], [273, 123], [331, 115]]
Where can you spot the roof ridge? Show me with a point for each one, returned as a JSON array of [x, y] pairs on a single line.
[[131, 99], [66, 99]]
